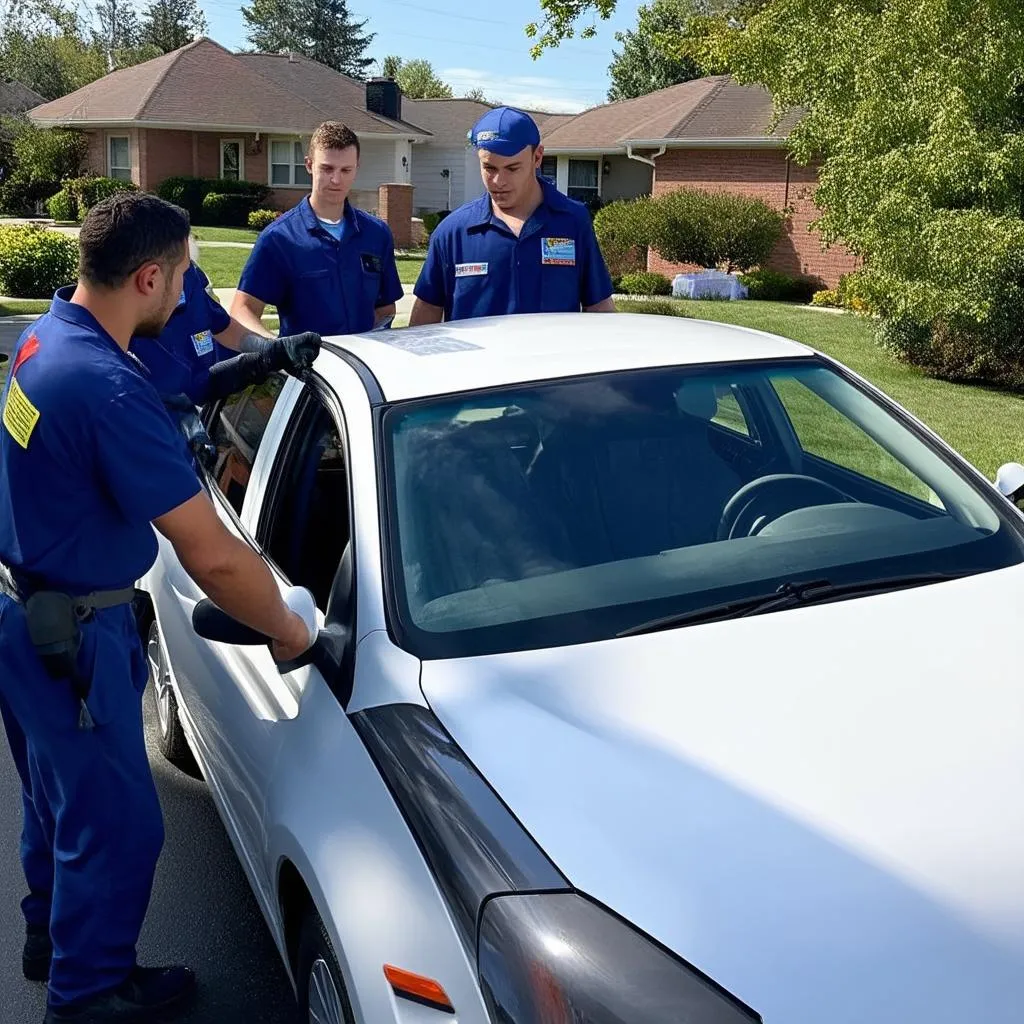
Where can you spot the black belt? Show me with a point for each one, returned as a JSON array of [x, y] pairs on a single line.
[[83, 603]]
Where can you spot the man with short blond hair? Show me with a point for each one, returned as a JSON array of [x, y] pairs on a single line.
[[326, 266]]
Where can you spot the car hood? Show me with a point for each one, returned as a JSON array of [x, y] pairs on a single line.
[[821, 808]]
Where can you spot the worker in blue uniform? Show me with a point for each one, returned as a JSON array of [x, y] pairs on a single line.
[[522, 247], [90, 463], [204, 353], [327, 266]]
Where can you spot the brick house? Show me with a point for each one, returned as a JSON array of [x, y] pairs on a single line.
[[710, 133], [204, 111]]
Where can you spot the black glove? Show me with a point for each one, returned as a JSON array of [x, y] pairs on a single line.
[[294, 351]]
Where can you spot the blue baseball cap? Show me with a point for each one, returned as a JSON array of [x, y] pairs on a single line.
[[505, 131]]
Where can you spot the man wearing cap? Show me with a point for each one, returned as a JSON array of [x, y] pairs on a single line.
[[523, 247]]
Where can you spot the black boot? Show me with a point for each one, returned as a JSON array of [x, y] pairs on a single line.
[[147, 990], [37, 953]]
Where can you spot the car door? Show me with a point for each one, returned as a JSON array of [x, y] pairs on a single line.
[[295, 512]]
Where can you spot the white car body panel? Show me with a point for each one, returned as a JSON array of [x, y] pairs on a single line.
[[820, 809], [812, 807]]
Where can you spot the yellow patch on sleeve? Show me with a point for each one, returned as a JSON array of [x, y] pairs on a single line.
[[20, 415]]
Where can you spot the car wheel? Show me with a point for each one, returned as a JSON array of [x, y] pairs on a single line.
[[170, 736], [322, 995]]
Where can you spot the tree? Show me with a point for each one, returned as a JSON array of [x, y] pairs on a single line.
[[477, 94], [417, 78], [322, 30], [170, 24], [648, 61]]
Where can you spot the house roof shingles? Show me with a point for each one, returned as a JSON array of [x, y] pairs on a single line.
[[448, 120], [205, 85], [16, 98], [714, 108]]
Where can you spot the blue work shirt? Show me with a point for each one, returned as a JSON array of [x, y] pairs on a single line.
[[321, 283], [179, 360], [88, 458], [476, 266]]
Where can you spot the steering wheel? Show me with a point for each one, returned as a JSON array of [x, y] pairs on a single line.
[[757, 503]]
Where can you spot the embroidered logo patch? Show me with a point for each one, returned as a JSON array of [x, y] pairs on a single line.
[[470, 269], [558, 252], [203, 343], [20, 415]]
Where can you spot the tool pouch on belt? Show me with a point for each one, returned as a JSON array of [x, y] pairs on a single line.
[[54, 627]]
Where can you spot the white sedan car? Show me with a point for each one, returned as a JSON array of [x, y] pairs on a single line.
[[662, 678]]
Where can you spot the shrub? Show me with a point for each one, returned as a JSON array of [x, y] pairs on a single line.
[[714, 229], [189, 193], [774, 286], [21, 197], [35, 262], [63, 206], [93, 189], [826, 297], [259, 219], [655, 307], [226, 210], [645, 283], [623, 232], [46, 154]]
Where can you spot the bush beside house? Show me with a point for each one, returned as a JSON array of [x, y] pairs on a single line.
[[35, 262], [259, 219], [191, 193]]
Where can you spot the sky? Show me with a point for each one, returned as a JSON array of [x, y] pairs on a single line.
[[475, 45]]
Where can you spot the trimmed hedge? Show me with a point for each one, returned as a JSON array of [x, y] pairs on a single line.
[[19, 196], [63, 206], [775, 286], [230, 211], [80, 195], [645, 283], [623, 231], [190, 193], [35, 262], [259, 219]]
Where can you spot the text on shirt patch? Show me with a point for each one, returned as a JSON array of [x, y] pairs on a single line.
[[20, 415], [558, 252], [470, 269], [203, 343]]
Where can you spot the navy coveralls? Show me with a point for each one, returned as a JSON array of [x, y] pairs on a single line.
[[476, 266], [319, 282], [88, 458], [179, 360]]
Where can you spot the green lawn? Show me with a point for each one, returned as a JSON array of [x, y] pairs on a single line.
[[982, 423], [224, 266], [225, 234], [19, 307]]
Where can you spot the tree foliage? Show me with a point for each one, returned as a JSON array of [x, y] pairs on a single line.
[[322, 30], [915, 109], [417, 78], [170, 24]]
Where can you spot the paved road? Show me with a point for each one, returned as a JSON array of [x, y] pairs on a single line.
[[10, 332], [203, 912]]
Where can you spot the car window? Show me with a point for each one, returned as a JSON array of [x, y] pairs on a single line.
[[306, 528], [237, 427], [823, 431], [568, 511]]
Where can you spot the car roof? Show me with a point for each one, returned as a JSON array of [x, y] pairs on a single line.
[[470, 355]]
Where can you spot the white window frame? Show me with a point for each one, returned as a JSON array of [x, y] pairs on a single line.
[[292, 141], [240, 143], [110, 162]]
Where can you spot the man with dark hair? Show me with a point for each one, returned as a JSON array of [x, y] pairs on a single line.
[[522, 247], [327, 266], [89, 464]]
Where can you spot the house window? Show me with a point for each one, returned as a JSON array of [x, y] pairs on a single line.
[[583, 180], [288, 164], [549, 168], [231, 166], [119, 157]]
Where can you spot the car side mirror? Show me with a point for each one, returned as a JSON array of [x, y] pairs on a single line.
[[1010, 479], [212, 623]]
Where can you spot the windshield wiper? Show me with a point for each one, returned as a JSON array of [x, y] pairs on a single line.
[[787, 595]]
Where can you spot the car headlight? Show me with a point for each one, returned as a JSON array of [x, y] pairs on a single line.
[[557, 958]]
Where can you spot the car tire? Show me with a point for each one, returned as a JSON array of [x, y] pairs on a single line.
[[323, 998], [170, 735]]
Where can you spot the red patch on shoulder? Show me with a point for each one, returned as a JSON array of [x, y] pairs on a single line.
[[26, 352]]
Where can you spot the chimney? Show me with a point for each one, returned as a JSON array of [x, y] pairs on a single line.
[[384, 97]]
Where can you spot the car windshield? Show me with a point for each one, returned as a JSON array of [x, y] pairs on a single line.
[[575, 510]]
